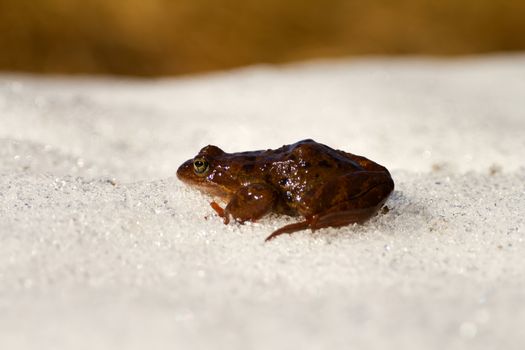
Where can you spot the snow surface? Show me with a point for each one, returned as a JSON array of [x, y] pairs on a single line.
[[103, 248]]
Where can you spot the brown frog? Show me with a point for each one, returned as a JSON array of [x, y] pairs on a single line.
[[327, 187]]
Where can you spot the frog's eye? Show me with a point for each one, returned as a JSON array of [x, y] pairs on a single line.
[[200, 166]]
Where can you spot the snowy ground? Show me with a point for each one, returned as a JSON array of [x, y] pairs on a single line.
[[102, 247]]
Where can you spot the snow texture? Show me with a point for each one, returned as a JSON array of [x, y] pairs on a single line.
[[103, 248]]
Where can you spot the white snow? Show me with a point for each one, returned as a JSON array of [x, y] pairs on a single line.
[[101, 247]]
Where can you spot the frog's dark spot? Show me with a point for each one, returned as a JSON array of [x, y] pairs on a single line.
[[268, 178], [324, 164], [251, 158], [317, 175], [306, 164], [283, 181], [248, 167]]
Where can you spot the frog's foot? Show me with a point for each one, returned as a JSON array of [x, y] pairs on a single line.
[[220, 212]]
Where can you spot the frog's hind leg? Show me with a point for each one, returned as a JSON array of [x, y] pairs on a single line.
[[344, 217], [354, 209], [331, 219]]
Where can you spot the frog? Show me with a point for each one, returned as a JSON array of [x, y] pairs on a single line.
[[324, 187]]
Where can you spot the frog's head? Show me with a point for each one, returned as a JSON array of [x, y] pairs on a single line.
[[209, 171]]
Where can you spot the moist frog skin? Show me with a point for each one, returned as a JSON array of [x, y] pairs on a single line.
[[322, 186]]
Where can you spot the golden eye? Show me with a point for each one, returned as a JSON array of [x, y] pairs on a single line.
[[200, 166]]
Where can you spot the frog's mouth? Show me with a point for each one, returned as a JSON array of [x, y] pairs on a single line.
[[214, 191]]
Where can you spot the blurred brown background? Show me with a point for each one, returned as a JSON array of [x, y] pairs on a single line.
[[163, 37]]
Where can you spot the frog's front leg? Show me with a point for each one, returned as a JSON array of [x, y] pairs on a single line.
[[250, 202]]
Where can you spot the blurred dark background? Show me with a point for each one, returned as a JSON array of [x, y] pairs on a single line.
[[165, 37]]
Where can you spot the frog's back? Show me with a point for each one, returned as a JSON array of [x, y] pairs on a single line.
[[312, 155], [298, 170]]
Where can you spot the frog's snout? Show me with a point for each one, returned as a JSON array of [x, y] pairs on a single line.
[[185, 171]]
